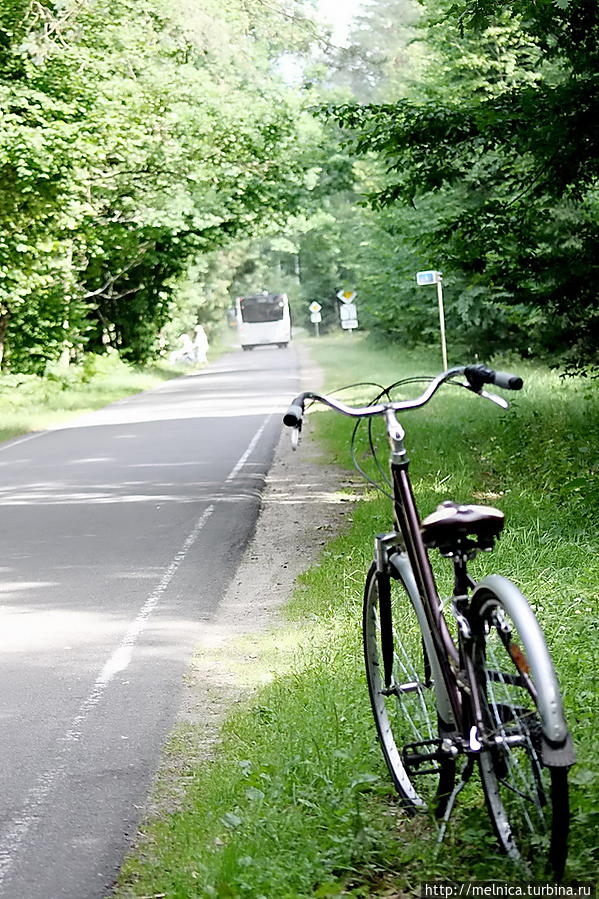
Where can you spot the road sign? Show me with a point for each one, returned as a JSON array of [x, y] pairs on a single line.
[[314, 307], [315, 317], [423, 278], [346, 296], [348, 311], [349, 316]]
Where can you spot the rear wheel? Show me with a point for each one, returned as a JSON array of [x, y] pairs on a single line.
[[405, 712], [526, 797]]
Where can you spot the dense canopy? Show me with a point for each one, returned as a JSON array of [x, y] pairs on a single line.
[[156, 159], [134, 137]]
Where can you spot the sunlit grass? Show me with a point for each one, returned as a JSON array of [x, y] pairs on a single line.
[[297, 802], [30, 403]]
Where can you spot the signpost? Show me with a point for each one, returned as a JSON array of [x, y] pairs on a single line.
[[424, 278], [432, 277], [348, 312], [315, 316]]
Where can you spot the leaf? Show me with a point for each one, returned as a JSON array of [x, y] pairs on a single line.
[[328, 891], [583, 777], [364, 780]]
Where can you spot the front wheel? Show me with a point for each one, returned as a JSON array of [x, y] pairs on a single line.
[[405, 710], [524, 778]]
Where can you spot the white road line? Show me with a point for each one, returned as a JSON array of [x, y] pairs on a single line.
[[10, 443], [237, 467], [15, 830]]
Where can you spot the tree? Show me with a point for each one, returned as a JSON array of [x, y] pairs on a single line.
[[134, 138], [505, 133]]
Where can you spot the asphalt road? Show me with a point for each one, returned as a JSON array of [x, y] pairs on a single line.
[[118, 536]]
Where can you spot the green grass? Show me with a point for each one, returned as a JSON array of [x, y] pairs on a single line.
[[296, 802], [31, 403]]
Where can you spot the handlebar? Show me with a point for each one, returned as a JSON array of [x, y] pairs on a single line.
[[293, 416], [476, 376]]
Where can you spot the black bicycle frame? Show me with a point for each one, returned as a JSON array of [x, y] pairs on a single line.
[[408, 524]]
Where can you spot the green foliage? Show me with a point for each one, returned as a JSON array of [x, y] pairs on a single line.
[[500, 141], [300, 250], [134, 139], [380, 61], [143, 148]]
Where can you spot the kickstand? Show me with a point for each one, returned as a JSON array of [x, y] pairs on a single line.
[[465, 777]]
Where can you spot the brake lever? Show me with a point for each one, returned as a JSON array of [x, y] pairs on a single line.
[[498, 400], [295, 438]]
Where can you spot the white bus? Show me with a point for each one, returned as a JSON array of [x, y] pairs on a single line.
[[263, 319]]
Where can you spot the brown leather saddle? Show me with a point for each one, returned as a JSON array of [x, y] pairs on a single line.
[[452, 524]]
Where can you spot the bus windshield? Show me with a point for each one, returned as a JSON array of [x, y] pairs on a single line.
[[262, 308]]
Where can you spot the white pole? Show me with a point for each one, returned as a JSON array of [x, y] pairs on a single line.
[[442, 323]]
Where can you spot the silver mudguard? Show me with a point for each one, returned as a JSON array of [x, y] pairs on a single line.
[[549, 700]]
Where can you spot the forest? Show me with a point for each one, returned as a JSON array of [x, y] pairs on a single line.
[[158, 158]]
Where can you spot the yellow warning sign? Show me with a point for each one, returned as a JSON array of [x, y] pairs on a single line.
[[346, 296]]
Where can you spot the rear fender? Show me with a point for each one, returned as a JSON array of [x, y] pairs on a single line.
[[553, 722]]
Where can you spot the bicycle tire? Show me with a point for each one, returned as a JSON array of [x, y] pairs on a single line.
[[404, 718], [526, 797]]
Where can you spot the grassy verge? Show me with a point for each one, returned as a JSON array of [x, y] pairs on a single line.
[[297, 802], [32, 403]]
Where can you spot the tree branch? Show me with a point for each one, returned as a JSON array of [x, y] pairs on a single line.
[[112, 280]]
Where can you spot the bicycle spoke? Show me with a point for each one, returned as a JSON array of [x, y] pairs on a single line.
[[408, 717], [413, 676], [519, 780]]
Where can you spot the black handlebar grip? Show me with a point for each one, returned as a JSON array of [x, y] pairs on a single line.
[[293, 416], [507, 381], [478, 375]]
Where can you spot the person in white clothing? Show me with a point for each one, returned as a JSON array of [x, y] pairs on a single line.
[[200, 344]]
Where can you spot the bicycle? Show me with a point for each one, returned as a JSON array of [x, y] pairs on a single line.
[[482, 692]]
